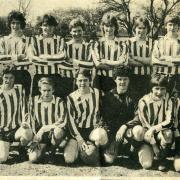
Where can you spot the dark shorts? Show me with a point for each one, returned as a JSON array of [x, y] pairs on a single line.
[[46, 138], [177, 146], [85, 132], [8, 136]]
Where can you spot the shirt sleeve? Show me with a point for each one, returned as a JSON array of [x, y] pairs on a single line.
[[123, 52], [61, 49], [134, 122], [62, 116], [155, 52], [169, 120], [143, 114], [2, 46], [71, 120], [95, 52], [33, 121]]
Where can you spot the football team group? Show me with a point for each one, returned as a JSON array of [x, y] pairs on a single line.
[[93, 100]]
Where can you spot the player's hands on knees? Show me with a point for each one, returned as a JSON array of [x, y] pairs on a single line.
[[121, 133], [82, 145], [34, 145], [25, 125], [149, 135]]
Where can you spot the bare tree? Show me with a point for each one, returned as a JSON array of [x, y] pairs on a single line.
[[157, 12], [123, 10], [24, 6]]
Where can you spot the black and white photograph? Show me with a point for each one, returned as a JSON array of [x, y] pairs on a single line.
[[89, 89]]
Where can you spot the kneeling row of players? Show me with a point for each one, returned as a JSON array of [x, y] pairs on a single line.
[[89, 123]]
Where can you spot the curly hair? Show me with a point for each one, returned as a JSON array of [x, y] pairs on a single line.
[[172, 19], [49, 20], [122, 71], [8, 69], [77, 22], [109, 19], [84, 72], [140, 21], [46, 80], [158, 80], [16, 15]]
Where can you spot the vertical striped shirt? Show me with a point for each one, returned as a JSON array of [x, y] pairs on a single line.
[[141, 52], [165, 47], [79, 51], [10, 45], [47, 113], [176, 109], [155, 113], [76, 51], [109, 51], [46, 46], [12, 107], [83, 111]]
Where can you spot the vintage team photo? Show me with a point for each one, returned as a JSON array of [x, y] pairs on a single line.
[[90, 88]]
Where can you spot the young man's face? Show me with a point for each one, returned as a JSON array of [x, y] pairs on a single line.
[[172, 27], [158, 92], [47, 30], [8, 81], [82, 82], [122, 83], [15, 25], [77, 33], [108, 31], [140, 31], [46, 92]]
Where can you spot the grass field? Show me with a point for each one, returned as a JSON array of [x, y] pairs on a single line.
[[56, 167]]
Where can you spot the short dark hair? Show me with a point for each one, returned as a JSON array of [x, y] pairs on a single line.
[[17, 16], [109, 19], [77, 22], [8, 70], [172, 19], [158, 80], [46, 80], [49, 20], [84, 72], [122, 72], [141, 21]]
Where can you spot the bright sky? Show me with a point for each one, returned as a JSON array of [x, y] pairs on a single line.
[[39, 7]]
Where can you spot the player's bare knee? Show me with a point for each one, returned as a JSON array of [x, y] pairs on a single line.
[[138, 133], [3, 157], [71, 151], [58, 136], [34, 156], [69, 158], [108, 158], [146, 164], [24, 135], [99, 136], [4, 151], [177, 163]]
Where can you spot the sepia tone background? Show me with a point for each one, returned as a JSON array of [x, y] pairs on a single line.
[[91, 11]]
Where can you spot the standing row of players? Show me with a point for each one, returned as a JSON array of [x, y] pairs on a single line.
[[108, 52], [89, 125]]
